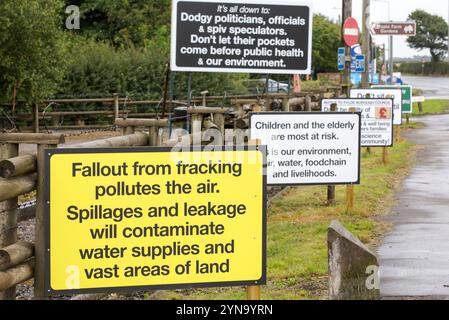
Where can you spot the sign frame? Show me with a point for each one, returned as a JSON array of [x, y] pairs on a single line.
[[174, 47], [392, 130], [47, 163], [251, 114]]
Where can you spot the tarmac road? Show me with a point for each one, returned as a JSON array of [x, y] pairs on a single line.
[[414, 257], [433, 87]]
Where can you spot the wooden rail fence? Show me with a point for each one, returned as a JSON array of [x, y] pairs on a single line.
[[19, 175], [118, 108]]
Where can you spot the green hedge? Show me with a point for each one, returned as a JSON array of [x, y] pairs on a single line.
[[98, 70], [430, 68]]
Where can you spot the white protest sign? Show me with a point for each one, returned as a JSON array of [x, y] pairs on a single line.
[[309, 148], [377, 118], [395, 94]]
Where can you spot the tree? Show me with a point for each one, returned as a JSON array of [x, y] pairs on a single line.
[[326, 40], [431, 33], [123, 23], [31, 48]]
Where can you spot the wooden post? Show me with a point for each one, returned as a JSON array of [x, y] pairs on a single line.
[[286, 104], [398, 134], [15, 254], [331, 189], [407, 118], [40, 250], [368, 150], [385, 156], [32, 138], [197, 121], [116, 105], [18, 274], [133, 140], [8, 215], [256, 108], [331, 196], [268, 102], [128, 130], [141, 122], [253, 292], [219, 120], [55, 121], [349, 198], [350, 188], [36, 118], [154, 136], [420, 107], [308, 102], [14, 187]]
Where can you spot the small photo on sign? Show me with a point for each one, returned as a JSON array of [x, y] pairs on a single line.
[[383, 113]]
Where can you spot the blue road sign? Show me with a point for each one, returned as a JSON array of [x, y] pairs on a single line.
[[356, 78], [360, 63], [341, 59]]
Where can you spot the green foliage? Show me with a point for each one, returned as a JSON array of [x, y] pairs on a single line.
[[124, 23], [122, 47], [326, 40], [430, 68], [96, 69], [31, 48], [99, 69], [431, 34]]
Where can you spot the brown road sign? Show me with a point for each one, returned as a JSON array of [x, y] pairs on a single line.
[[393, 28]]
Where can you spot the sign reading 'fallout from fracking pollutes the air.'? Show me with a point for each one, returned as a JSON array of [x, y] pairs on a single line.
[[154, 218], [252, 36]]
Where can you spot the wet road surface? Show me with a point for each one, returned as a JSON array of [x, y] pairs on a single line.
[[414, 257], [433, 87]]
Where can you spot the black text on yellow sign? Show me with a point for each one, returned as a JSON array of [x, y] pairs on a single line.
[[154, 218]]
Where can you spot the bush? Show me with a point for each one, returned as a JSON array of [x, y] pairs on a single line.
[[96, 69], [430, 68]]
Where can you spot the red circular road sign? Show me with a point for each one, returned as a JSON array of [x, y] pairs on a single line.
[[351, 32]]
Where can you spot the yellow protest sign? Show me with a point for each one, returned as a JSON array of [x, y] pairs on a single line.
[[147, 218]]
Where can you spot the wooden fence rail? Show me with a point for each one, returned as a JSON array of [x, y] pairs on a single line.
[[20, 261], [304, 101]]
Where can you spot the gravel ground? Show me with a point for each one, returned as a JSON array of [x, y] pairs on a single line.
[[25, 232]]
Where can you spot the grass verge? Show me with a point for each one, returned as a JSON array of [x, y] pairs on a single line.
[[431, 107], [297, 230]]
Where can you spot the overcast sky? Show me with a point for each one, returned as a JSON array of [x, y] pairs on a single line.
[[400, 9]]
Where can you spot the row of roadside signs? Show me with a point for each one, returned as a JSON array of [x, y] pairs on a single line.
[[301, 152], [162, 220], [125, 220]]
